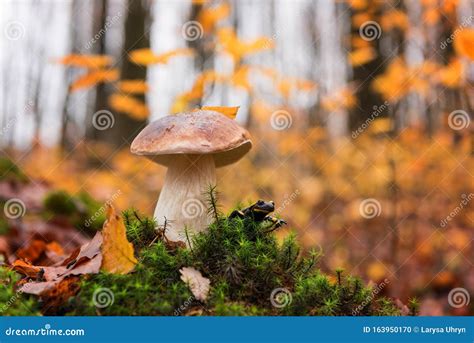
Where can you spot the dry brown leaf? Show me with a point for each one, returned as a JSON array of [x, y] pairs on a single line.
[[230, 112], [198, 284], [117, 251], [27, 269]]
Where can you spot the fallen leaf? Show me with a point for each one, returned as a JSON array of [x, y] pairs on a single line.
[[198, 284], [230, 112], [117, 251], [27, 269]]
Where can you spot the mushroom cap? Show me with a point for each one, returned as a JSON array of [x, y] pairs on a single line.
[[193, 133]]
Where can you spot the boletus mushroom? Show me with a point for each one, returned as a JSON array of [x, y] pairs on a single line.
[[192, 145]]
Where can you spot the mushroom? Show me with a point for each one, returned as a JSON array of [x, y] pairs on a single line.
[[192, 145]]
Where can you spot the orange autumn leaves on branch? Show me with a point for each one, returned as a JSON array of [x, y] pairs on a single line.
[[97, 72]]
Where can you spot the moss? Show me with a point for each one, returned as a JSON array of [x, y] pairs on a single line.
[[246, 266], [9, 171], [251, 273], [13, 303], [82, 211]]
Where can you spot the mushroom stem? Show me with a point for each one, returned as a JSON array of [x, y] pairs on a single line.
[[182, 199]]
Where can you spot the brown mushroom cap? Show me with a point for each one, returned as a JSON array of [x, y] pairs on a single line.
[[194, 133]]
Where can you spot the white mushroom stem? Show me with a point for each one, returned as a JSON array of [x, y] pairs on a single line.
[[183, 200]]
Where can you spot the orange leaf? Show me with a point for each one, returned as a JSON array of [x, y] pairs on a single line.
[[146, 56], [117, 251], [87, 61], [129, 105], [133, 86], [95, 77], [208, 17], [230, 112], [464, 43], [361, 56]]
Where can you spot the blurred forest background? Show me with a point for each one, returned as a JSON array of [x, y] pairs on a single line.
[[360, 113]]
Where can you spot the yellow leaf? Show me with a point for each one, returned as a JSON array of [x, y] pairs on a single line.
[[237, 48], [146, 56], [230, 112], [95, 77], [361, 56], [451, 75], [394, 19], [129, 105], [86, 61], [117, 251], [133, 86], [240, 78], [381, 125]]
